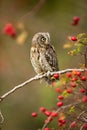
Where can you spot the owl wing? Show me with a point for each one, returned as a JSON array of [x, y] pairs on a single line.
[[48, 59], [51, 57]]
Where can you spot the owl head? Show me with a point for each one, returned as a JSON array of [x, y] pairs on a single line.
[[41, 38]]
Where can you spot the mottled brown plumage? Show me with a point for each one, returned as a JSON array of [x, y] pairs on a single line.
[[42, 55]]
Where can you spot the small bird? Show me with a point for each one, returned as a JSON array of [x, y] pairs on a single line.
[[43, 56]]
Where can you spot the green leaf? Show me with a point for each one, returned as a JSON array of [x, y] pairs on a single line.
[[72, 109], [79, 47], [79, 36], [65, 94], [83, 41]]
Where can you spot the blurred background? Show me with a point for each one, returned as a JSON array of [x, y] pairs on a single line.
[[54, 17]]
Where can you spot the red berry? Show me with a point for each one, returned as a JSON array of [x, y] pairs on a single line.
[[59, 104], [34, 114], [54, 114], [63, 121], [82, 90], [69, 90], [60, 97], [9, 30], [86, 72], [73, 38], [85, 126], [69, 74], [75, 20], [84, 99], [58, 90], [78, 73], [56, 76], [73, 84], [46, 128], [83, 78], [49, 119], [42, 109], [73, 124], [60, 124], [74, 79], [47, 113], [60, 120]]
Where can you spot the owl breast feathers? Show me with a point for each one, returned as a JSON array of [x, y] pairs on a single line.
[[43, 56]]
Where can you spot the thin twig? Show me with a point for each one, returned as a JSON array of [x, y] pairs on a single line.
[[86, 57], [37, 77], [84, 119], [79, 116], [58, 110], [81, 128], [2, 118], [35, 9], [19, 86]]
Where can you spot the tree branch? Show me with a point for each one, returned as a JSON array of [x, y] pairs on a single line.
[[37, 77], [2, 118], [35, 9], [86, 57]]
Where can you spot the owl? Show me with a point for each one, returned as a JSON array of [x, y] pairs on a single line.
[[43, 56]]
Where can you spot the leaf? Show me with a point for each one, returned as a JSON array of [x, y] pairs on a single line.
[[79, 36], [62, 115], [67, 45], [79, 47], [83, 41], [22, 37], [72, 109], [73, 52], [65, 94]]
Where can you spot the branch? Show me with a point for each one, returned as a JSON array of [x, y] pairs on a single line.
[[80, 116], [59, 109], [35, 9], [86, 57], [37, 77], [2, 118]]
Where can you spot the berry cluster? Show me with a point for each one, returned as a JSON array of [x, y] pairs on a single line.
[[65, 114]]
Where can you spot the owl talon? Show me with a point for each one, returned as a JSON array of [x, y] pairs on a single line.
[[40, 74], [48, 74]]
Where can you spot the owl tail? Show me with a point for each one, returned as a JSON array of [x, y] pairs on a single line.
[[50, 80]]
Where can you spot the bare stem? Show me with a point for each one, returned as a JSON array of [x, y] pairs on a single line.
[[35, 9], [2, 118], [59, 109], [86, 57], [37, 77]]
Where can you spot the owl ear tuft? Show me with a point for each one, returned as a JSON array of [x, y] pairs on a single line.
[[48, 34]]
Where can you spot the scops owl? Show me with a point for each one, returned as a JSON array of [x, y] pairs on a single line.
[[42, 55]]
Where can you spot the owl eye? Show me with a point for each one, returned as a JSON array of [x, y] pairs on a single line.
[[43, 39]]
